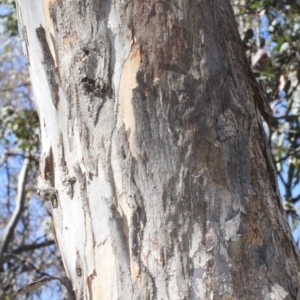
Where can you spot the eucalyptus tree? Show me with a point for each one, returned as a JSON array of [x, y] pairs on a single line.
[[154, 153]]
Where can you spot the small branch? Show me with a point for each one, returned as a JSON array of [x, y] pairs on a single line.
[[14, 154], [20, 199], [288, 155], [287, 117], [14, 87], [25, 262], [8, 185], [33, 246], [33, 286]]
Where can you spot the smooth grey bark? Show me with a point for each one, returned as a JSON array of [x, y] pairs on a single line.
[[161, 179]]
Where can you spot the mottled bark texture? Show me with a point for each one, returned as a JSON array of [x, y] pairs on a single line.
[[162, 182]]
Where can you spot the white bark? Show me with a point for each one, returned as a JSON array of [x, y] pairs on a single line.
[[161, 183]]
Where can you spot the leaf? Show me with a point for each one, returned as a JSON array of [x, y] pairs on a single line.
[[256, 4], [284, 47]]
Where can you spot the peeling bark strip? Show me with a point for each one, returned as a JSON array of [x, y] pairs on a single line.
[[162, 172], [125, 108]]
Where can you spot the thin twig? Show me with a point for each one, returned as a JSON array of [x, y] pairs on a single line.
[[288, 155], [14, 154], [33, 246], [287, 117], [14, 87], [25, 262]]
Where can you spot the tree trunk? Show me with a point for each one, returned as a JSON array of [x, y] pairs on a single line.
[[154, 152]]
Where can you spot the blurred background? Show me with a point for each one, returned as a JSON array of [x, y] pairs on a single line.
[[270, 31], [27, 247]]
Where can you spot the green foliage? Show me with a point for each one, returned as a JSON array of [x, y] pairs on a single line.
[[5, 297], [20, 127], [8, 17]]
